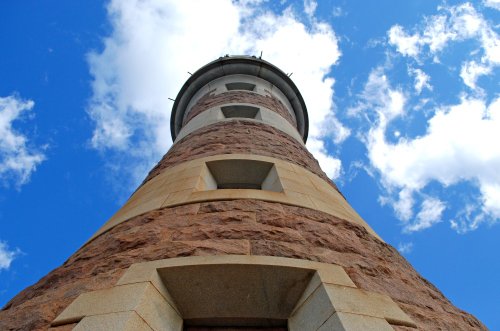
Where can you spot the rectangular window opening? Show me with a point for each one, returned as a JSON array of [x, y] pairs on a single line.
[[240, 111], [240, 328], [240, 86], [242, 174]]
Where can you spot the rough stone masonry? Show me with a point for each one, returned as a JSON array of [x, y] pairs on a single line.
[[237, 226]]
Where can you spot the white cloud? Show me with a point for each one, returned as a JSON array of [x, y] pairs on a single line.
[[495, 4], [7, 255], [334, 129], [310, 7], [338, 11], [471, 71], [18, 160], [406, 44], [430, 213], [377, 96], [421, 79], [405, 248], [154, 43], [460, 144], [330, 165], [146, 60], [431, 210], [403, 206], [460, 141], [468, 219], [454, 24]]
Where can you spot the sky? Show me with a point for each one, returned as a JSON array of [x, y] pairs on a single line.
[[403, 100]]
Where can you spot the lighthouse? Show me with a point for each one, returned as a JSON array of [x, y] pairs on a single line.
[[236, 228]]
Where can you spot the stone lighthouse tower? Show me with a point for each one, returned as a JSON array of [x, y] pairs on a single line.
[[236, 228]]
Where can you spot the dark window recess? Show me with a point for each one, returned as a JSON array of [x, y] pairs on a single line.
[[240, 86], [218, 328], [240, 111], [243, 174]]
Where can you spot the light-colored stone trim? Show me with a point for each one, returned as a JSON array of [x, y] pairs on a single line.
[[328, 299], [190, 182], [214, 115], [143, 299], [345, 322], [247, 289], [122, 321], [262, 87]]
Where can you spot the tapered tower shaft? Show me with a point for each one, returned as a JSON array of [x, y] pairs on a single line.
[[236, 227]]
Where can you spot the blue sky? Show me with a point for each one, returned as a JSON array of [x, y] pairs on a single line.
[[403, 100]]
